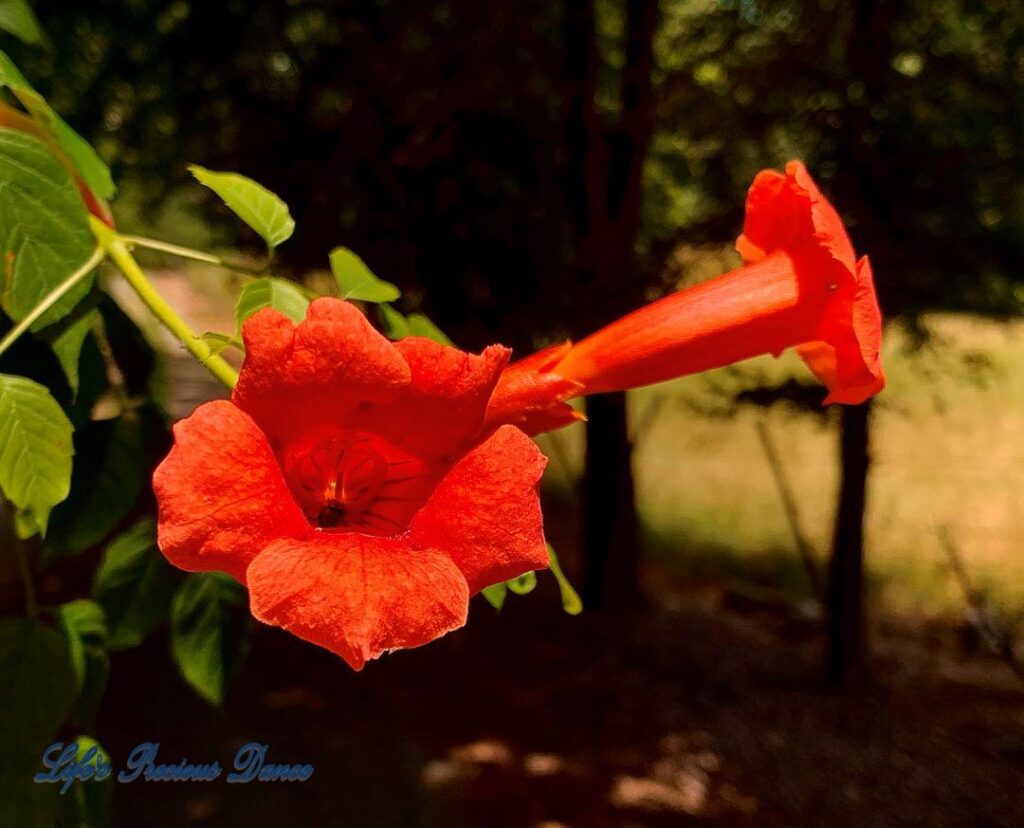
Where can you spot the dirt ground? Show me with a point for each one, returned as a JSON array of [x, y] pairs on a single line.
[[693, 713]]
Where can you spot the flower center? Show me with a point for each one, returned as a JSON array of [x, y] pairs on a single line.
[[355, 481]]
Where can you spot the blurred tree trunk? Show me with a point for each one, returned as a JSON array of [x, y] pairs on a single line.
[[868, 50], [847, 639], [604, 192], [609, 529]]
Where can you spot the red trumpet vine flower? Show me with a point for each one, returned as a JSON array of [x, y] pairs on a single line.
[[363, 490], [351, 485], [802, 287]]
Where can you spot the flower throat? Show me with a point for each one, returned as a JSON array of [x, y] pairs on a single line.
[[358, 482]]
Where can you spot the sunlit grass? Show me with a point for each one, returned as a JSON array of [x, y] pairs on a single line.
[[947, 452]]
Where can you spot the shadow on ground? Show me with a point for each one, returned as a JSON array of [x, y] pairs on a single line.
[[689, 714]]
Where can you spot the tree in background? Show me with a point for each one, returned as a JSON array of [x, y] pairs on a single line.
[[914, 111], [605, 197]]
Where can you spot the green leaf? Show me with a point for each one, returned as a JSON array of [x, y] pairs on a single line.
[[420, 325], [219, 342], [109, 474], [38, 687], [524, 584], [23, 802], [85, 629], [134, 585], [356, 281], [253, 203], [396, 326], [269, 292], [209, 626], [82, 621], [571, 602], [92, 383], [67, 337], [17, 17], [26, 525], [10, 75], [44, 231], [90, 166], [80, 153], [94, 685], [35, 448], [86, 804], [495, 594]]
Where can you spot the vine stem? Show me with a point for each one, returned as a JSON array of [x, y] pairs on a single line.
[[31, 603], [116, 248], [51, 299], [189, 253]]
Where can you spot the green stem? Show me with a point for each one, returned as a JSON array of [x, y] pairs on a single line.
[[158, 306], [51, 299], [31, 604], [189, 253]]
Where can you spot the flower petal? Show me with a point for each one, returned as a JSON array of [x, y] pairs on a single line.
[[299, 377], [867, 318], [486, 513], [220, 493], [829, 229], [357, 596], [532, 397], [441, 412], [777, 216], [551, 418], [789, 211], [848, 358]]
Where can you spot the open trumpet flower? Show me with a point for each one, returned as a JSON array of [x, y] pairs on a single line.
[[350, 483], [802, 287], [363, 490]]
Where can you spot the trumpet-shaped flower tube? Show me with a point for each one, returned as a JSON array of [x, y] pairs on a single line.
[[802, 288]]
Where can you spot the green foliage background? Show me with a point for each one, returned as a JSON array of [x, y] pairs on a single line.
[[428, 136]]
